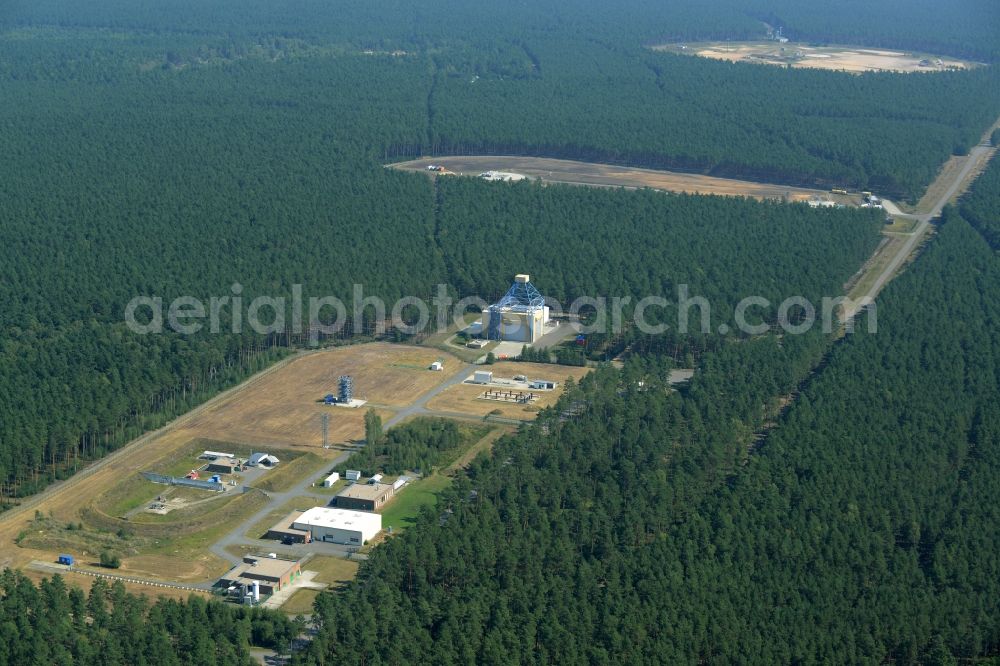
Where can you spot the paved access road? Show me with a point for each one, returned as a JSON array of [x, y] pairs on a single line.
[[303, 488], [959, 180]]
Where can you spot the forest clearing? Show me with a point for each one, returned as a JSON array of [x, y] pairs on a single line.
[[572, 172], [838, 58], [279, 410]]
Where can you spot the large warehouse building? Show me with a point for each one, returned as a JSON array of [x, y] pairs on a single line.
[[339, 525], [520, 316]]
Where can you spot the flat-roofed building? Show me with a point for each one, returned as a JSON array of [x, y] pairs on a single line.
[[364, 496], [222, 466], [339, 525], [283, 530], [270, 573]]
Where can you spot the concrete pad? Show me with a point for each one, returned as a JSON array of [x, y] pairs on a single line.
[[508, 349]]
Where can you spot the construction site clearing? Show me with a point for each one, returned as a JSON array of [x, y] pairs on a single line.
[[782, 52]]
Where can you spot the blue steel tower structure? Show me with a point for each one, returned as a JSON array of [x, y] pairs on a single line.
[[522, 297]]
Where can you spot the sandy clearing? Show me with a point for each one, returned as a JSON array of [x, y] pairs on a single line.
[[840, 58], [572, 172]]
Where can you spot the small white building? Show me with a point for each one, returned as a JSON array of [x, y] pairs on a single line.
[[353, 475], [339, 525], [332, 479], [541, 385], [482, 377], [212, 455], [437, 366], [376, 478]]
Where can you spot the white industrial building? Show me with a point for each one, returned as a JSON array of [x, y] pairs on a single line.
[[332, 479], [262, 459], [353, 474], [502, 176], [520, 316], [482, 377], [339, 525]]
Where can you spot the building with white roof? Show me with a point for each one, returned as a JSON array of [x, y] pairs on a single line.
[[339, 525]]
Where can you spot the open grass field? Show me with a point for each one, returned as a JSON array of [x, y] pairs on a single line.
[[464, 398], [900, 225], [175, 548], [605, 175], [285, 475], [405, 507], [332, 490], [301, 602], [286, 409], [333, 571], [842, 58], [877, 263]]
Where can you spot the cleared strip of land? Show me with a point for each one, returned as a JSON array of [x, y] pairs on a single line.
[[606, 175], [839, 58]]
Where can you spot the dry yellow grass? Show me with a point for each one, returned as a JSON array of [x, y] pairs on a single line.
[[464, 398], [483, 445], [85, 582], [195, 569], [286, 409], [275, 407], [605, 175], [287, 475], [946, 176]]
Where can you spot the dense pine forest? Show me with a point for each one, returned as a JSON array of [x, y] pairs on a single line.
[[980, 206], [177, 148], [655, 528], [53, 623], [802, 499]]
